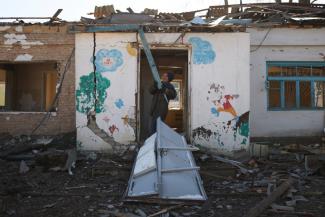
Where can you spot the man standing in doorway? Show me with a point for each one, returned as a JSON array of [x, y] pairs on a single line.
[[160, 99]]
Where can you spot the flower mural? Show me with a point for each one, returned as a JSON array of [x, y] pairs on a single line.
[[119, 103], [203, 52], [108, 60], [85, 94]]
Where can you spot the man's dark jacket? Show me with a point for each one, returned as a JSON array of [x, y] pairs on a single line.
[[160, 99]]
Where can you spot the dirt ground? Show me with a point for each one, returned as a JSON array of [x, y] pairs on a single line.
[[97, 186]]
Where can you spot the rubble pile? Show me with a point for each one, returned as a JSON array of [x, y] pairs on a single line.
[[257, 186]]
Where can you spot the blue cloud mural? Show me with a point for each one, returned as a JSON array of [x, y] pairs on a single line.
[[108, 60], [203, 52], [119, 103]]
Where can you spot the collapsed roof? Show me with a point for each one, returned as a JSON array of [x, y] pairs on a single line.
[[255, 14]]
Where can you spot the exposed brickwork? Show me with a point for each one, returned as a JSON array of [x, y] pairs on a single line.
[[44, 43]]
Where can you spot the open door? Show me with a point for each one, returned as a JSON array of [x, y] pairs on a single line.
[[167, 60]]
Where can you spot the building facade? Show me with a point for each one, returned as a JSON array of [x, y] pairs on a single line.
[[34, 58], [287, 82], [212, 79]]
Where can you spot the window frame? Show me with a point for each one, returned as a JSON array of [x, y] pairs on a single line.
[[180, 95], [53, 112], [297, 79]]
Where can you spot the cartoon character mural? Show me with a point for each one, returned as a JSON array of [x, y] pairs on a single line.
[[226, 122], [222, 102]]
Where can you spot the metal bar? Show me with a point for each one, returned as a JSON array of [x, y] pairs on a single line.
[[113, 28], [25, 18], [55, 16], [312, 93], [297, 94], [282, 95], [295, 63], [159, 178], [150, 58], [297, 78], [143, 173], [180, 148], [179, 169]]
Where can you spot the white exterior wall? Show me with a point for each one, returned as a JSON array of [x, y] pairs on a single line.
[[283, 44], [218, 79]]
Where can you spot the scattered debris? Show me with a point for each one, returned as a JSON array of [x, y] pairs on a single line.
[[23, 168], [260, 207]]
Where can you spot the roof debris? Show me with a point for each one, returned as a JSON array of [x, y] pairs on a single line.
[[260, 14]]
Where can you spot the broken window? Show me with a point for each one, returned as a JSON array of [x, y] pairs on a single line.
[[28, 87], [296, 85]]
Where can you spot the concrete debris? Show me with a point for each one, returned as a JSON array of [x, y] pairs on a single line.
[[92, 156], [140, 213], [291, 203], [282, 208], [101, 184], [23, 168], [103, 11]]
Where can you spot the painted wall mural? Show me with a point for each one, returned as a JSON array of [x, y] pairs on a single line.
[[203, 52], [131, 50], [221, 102], [225, 121], [219, 112], [119, 103], [108, 60], [85, 94], [111, 127]]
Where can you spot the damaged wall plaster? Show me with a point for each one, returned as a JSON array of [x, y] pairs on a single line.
[[213, 64], [21, 39], [19, 29], [24, 57], [4, 28]]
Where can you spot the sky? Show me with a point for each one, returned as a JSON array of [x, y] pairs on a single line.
[[74, 9]]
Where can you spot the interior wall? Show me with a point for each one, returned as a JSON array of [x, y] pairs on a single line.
[[2, 86], [29, 86], [163, 59]]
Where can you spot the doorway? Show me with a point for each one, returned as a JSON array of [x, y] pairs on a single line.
[[167, 60]]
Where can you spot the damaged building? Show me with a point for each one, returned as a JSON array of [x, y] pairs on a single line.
[[37, 79], [207, 106], [75, 113], [281, 99]]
